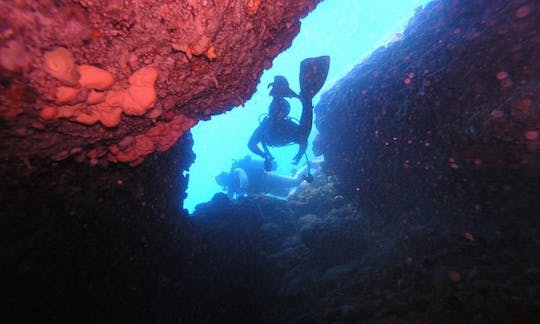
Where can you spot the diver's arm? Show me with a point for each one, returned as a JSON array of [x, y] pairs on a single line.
[[266, 151], [254, 141]]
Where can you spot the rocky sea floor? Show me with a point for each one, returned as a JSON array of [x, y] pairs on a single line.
[[319, 259], [316, 258]]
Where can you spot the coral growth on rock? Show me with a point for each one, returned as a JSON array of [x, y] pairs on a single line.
[[340, 264], [428, 213], [445, 113], [80, 74]]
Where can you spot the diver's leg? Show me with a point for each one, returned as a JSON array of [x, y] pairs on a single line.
[[299, 175], [306, 120], [276, 182], [304, 127]]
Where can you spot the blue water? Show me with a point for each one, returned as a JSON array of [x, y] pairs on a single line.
[[346, 30]]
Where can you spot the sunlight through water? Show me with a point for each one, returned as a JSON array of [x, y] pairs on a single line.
[[346, 30]]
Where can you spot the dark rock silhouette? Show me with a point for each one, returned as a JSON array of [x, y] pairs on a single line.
[[427, 212], [447, 113]]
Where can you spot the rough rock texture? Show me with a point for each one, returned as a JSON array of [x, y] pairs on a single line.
[[117, 80], [89, 89], [261, 260], [453, 239], [272, 262], [449, 113], [82, 245]]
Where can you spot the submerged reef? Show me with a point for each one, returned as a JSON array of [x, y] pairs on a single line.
[[101, 82], [425, 210], [449, 113], [339, 264]]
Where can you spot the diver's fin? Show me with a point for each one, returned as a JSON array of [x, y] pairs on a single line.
[[280, 88], [313, 72]]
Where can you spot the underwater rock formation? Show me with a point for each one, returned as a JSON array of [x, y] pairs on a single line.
[[445, 132], [116, 81], [339, 264], [447, 113], [76, 241]]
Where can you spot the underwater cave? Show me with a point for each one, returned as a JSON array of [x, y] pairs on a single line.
[[424, 209]]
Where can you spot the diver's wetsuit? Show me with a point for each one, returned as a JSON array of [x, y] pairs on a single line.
[[249, 178], [254, 173], [276, 131]]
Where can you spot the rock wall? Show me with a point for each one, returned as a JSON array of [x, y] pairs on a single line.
[[447, 114], [114, 81], [83, 245], [159, 183], [96, 102]]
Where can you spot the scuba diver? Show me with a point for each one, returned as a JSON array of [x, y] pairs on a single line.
[[247, 177], [277, 129]]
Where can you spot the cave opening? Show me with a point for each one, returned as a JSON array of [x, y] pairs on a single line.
[[347, 31], [427, 211]]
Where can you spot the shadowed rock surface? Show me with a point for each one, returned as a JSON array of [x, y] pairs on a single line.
[[427, 214], [449, 113], [81, 245]]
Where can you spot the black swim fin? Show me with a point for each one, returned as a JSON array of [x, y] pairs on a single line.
[[313, 73]]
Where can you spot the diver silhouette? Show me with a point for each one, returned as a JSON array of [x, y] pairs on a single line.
[[247, 177], [277, 129]]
